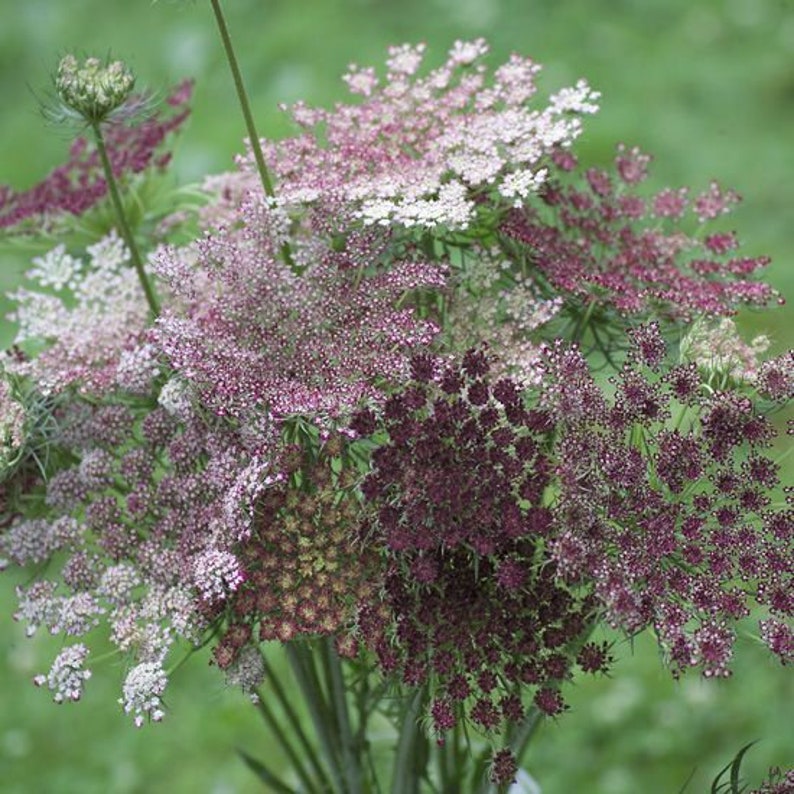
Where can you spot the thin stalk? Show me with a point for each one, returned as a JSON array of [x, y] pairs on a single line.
[[121, 217], [458, 757], [443, 768], [309, 684], [336, 686], [280, 736], [480, 781], [582, 323], [295, 724], [362, 698], [404, 779], [373, 773], [265, 774], [245, 105], [526, 731]]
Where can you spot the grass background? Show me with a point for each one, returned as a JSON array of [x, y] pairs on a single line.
[[706, 86]]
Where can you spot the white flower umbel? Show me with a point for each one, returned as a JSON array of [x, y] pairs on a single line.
[[247, 671], [142, 693], [56, 269], [66, 676]]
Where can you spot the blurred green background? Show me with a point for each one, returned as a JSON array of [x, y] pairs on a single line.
[[707, 87]]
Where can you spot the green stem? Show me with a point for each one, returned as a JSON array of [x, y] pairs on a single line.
[[582, 323], [443, 767], [242, 96], [306, 676], [280, 736], [245, 105], [121, 217], [265, 774], [404, 778], [295, 724], [526, 731], [458, 757], [362, 697], [336, 686]]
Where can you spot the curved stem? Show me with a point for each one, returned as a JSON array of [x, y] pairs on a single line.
[[250, 126], [583, 322], [121, 217], [525, 732]]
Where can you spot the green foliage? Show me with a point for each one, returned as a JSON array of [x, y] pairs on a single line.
[[264, 774], [733, 784]]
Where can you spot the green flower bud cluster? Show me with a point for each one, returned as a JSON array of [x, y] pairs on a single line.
[[93, 89]]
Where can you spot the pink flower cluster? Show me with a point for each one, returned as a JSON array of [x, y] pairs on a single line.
[[252, 335], [418, 151], [92, 316]]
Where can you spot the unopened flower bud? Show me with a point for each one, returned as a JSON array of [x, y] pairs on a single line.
[[93, 89]]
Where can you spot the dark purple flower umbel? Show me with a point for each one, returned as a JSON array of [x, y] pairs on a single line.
[[600, 241], [664, 506], [457, 501]]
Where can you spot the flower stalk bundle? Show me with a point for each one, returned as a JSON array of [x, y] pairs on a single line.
[[412, 397]]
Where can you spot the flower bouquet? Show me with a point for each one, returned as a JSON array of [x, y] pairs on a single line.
[[402, 417]]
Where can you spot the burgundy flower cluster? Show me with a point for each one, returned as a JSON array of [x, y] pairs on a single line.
[[457, 500], [78, 184], [598, 240], [671, 521], [778, 782]]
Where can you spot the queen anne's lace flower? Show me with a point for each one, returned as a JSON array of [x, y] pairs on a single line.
[[37, 605], [100, 323], [137, 368], [142, 693], [259, 339], [247, 671], [56, 269], [240, 501], [718, 349], [600, 242], [418, 150], [34, 540], [12, 424], [92, 88], [79, 184], [346, 424], [67, 676], [175, 397]]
